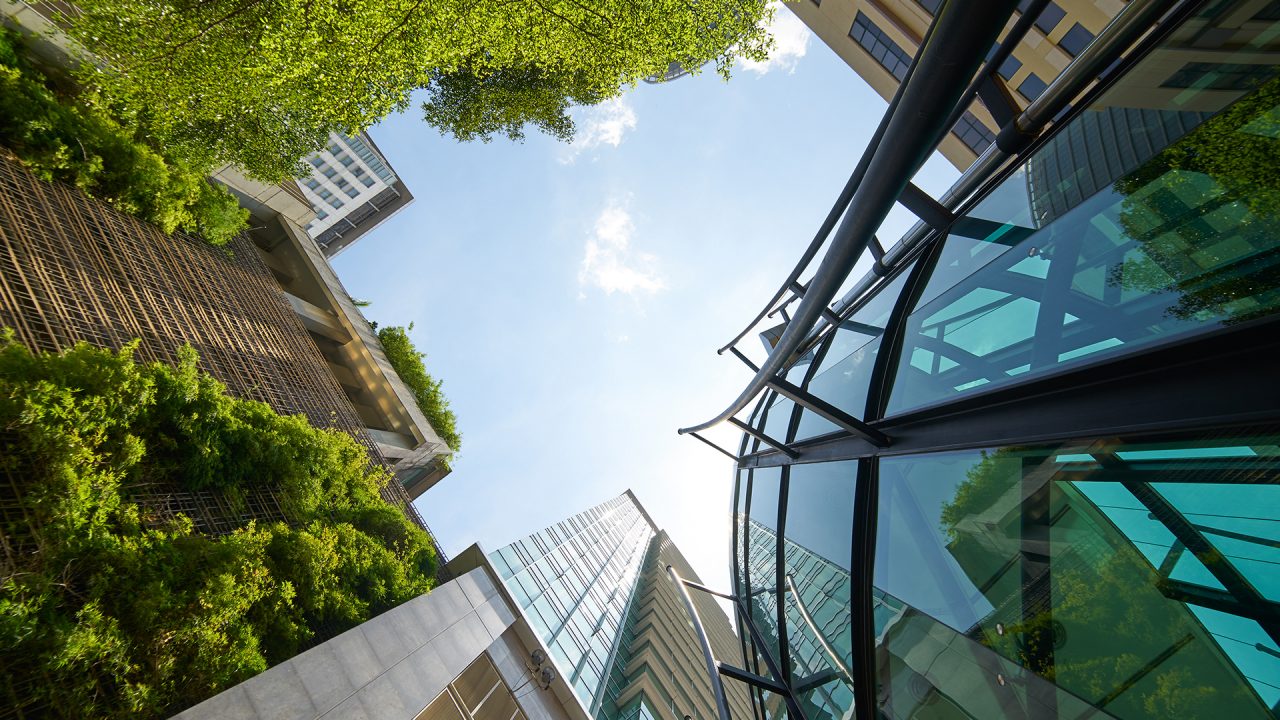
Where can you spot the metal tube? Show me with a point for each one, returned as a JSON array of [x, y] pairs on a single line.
[[913, 130], [837, 209], [713, 669], [1120, 33], [808, 619]]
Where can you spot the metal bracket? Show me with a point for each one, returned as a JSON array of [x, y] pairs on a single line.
[[715, 669], [846, 421]]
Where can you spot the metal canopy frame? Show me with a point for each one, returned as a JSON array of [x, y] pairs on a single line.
[[1073, 402]]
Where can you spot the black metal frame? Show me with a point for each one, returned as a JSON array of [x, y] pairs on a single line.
[[1074, 402]]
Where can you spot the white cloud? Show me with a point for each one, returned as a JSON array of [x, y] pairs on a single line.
[[608, 261], [602, 124], [791, 41]]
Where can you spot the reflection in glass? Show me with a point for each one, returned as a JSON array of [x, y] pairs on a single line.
[[1154, 213], [817, 555], [762, 558], [1136, 586]]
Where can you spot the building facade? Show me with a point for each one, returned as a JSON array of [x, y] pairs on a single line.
[[1029, 466], [460, 652], [878, 39], [595, 589], [352, 189]]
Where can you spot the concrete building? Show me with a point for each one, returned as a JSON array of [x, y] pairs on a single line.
[[577, 621], [460, 652], [878, 39], [352, 189], [595, 589]]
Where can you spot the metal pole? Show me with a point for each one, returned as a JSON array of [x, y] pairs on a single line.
[[946, 64], [713, 669]]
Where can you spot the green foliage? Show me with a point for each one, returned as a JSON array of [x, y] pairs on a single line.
[[407, 362], [477, 107], [113, 613], [76, 140], [261, 83], [1228, 169]]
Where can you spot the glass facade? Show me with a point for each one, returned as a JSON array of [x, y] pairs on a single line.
[[595, 589], [996, 560], [574, 582]]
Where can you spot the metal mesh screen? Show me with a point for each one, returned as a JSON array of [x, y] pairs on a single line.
[[74, 269]]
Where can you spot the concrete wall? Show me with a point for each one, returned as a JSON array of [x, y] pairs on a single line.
[[389, 667]]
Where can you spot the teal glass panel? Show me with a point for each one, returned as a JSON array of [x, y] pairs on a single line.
[[762, 553], [817, 552], [1139, 587], [844, 376], [572, 582], [1152, 215]]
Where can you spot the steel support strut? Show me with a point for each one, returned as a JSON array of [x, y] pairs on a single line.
[[777, 683], [959, 41]]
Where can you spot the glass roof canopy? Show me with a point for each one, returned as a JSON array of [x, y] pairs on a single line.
[[1067, 503]]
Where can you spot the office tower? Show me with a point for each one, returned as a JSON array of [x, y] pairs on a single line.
[[1030, 463], [352, 189], [878, 39], [594, 587]]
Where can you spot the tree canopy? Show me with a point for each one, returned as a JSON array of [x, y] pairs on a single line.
[[110, 605], [68, 137], [261, 83]]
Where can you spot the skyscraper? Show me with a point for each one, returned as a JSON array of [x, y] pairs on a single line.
[[878, 39], [595, 589], [1030, 459]]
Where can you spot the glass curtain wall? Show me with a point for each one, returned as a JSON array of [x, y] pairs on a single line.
[[574, 581], [1134, 574]]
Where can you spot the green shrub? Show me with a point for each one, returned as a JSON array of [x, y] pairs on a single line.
[[109, 612], [75, 140], [407, 362]]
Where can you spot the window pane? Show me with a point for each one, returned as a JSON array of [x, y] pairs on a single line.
[[1074, 40], [762, 552], [1102, 243], [819, 534], [1050, 17], [1053, 563], [844, 376], [1032, 86]]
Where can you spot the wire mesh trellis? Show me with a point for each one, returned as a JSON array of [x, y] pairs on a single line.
[[74, 269]]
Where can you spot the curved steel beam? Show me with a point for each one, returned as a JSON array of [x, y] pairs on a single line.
[[948, 60]]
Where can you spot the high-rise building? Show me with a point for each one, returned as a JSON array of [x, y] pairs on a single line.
[[596, 590], [878, 39], [578, 621], [1029, 466], [352, 189]]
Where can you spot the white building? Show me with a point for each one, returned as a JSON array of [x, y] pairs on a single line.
[[352, 189]]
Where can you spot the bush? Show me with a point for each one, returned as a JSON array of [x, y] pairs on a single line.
[[407, 362], [73, 139], [109, 612]]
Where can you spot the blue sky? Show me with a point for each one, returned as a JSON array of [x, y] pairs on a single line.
[[572, 297]]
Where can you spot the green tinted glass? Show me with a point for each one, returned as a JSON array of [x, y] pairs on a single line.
[[1142, 586], [1152, 215]]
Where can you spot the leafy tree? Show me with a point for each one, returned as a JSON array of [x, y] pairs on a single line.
[[477, 107], [74, 139], [407, 362], [110, 609], [261, 83]]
